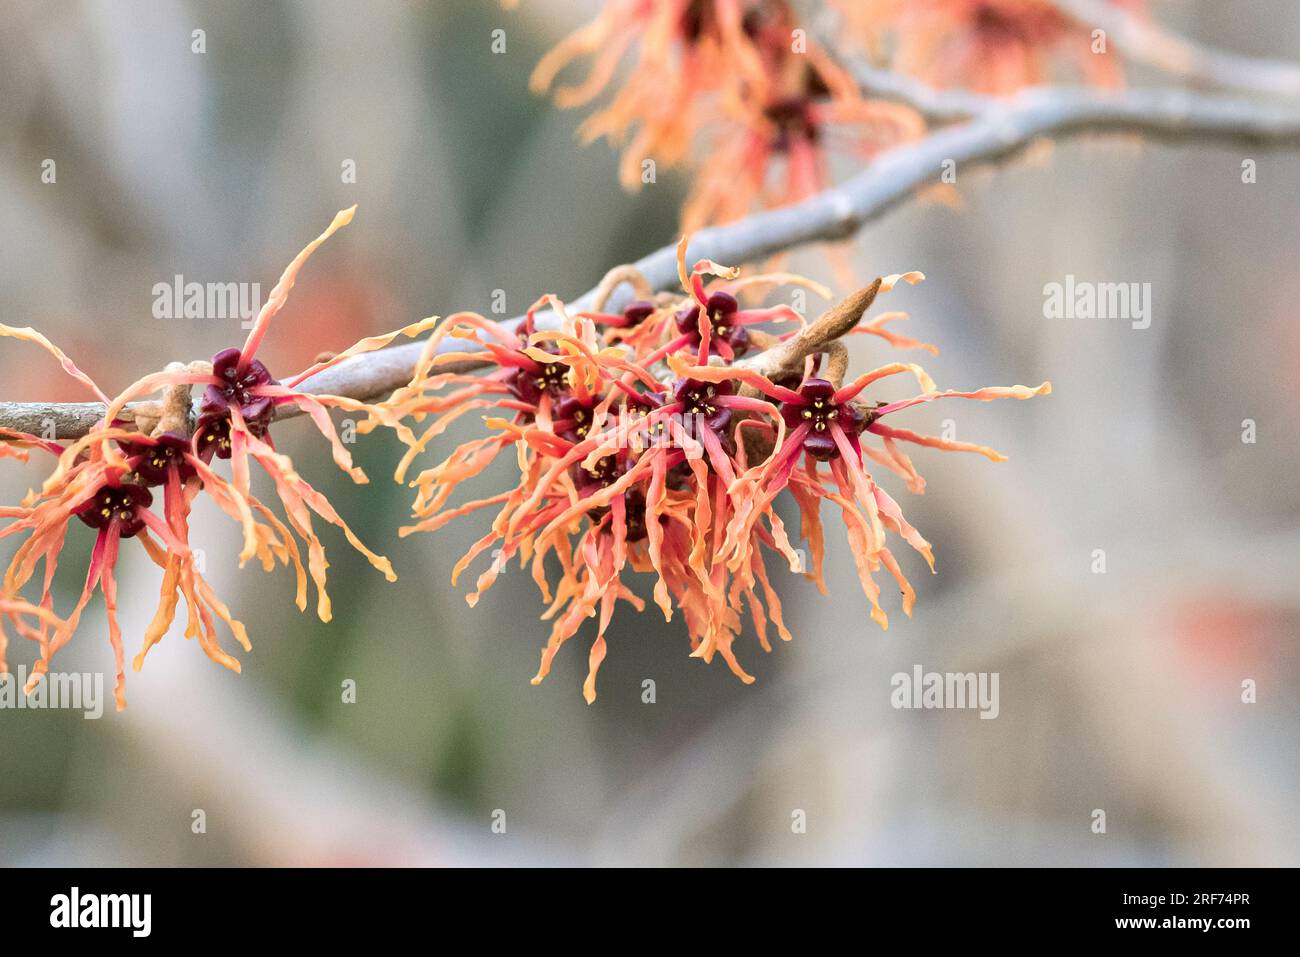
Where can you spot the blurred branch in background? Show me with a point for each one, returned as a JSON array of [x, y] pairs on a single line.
[[1145, 41]]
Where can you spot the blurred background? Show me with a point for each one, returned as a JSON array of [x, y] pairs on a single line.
[[1119, 691]]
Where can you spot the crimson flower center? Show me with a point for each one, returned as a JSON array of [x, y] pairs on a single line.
[[581, 422], [218, 431], [109, 501], [793, 121], [237, 389], [700, 402], [553, 376], [161, 456], [820, 414], [604, 472]]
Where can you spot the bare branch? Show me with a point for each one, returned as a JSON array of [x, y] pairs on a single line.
[[1144, 41], [997, 133], [936, 106], [51, 420]]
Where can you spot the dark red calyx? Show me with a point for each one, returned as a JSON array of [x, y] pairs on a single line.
[[152, 462], [994, 24], [720, 312], [699, 402], [604, 473], [572, 418], [701, 412], [120, 504], [212, 436], [698, 17], [236, 389], [793, 118], [634, 515], [638, 312], [642, 403], [818, 410], [530, 383], [601, 474]]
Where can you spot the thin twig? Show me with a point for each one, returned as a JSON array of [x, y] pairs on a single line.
[[995, 135], [1143, 41], [937, 106]]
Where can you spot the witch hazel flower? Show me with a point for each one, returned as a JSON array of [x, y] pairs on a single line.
[[17, 612], [113, 497], [772, 147], [770, 108], [687, 53], [142, 454], [241, 399]]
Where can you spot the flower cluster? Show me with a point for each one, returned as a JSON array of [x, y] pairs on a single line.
[[989, 46], [741, 72], [747, 83], [659, 439], [142, 451]]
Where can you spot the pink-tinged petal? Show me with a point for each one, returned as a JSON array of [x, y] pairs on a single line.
[[982, 395], [935, 442], [235, 505], [717, 456], [694, 282], [911, 278], [108, 584], [12, 442], [773, 280], [239, 440], [750, 317], [655, 533], [594, 660], [164, 532], [293, 489], [865, 555], [707, 373], [99, 555], [892, 514], [369, 344], [904, 586], [747, 404], [876, 327], [147, 386], [28, 334], [856, 483], [321, 419], [280, 292], [851, 390], [666, 350]]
